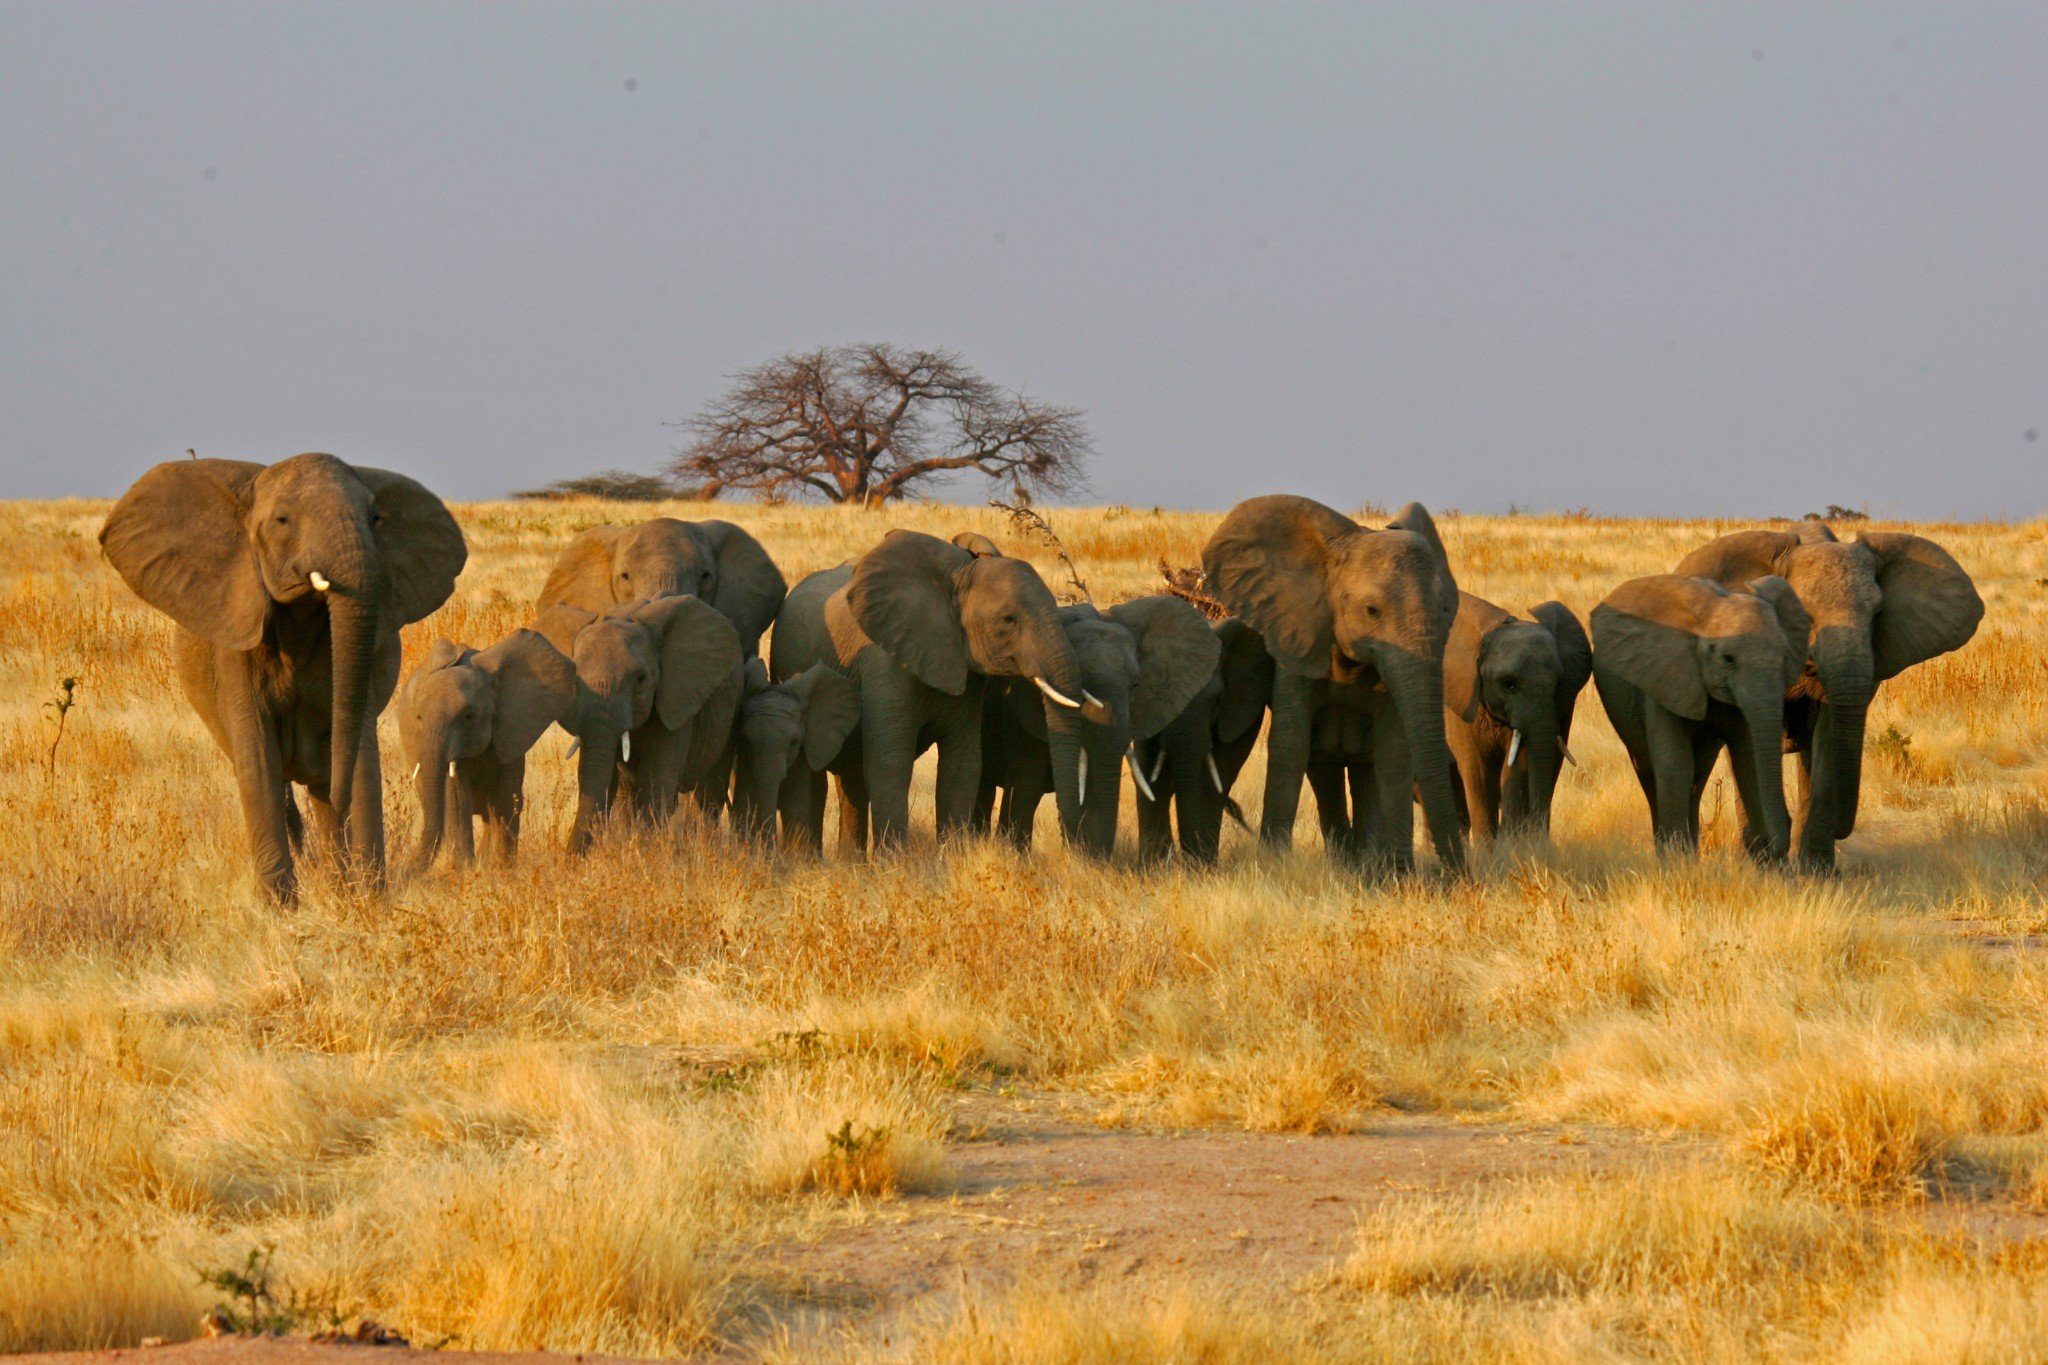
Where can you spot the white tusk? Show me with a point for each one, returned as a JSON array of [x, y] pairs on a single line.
[[625, 748], [574, 745], [1157, 764], [1567, 754], [1091, 697], [1215, 777], [1138, 775], [1514, 747], [319, 581], [1081, 796], [1062, 698], [415, 773], [451, 767]]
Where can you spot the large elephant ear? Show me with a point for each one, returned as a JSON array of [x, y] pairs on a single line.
[[1415, 519], [750, 587], [1930, 606], [757, 680], [582, 575], [1267, 563], [1245, 668], [1476, 616], [1739, 556], [831, 706], [1792, 619], [901, 594], [1645, 633], [698, 652], [180, 539], [420, 549], [1574, 650], [561, 624], [536, 688], [1177, 654]]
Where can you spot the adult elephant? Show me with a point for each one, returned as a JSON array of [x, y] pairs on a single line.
[[919, 624], [660, 683], [1191, 764], [1879, 605], [1510, 688], [289, 583], [1686, 668], [466, 719], [1145, 659], [1338, 601], [663, 557]]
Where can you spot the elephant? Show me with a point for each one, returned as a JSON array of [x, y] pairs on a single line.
[[919, 624], [661, 557], [660, 683], [288, 584], [1510, 688], [1191, 764], [466, 719], [1146, 658], [1879, 605], [1340, 602], [787, 736], [1685, 668]]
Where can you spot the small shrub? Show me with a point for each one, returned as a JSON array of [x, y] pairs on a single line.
[[1893, 749]]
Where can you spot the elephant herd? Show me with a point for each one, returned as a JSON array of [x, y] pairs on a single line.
[[1374, 678]]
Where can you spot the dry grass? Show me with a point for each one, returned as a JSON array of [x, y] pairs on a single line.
[[461, 1107]]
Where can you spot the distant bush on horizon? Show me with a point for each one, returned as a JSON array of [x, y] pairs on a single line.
[[619, 485]]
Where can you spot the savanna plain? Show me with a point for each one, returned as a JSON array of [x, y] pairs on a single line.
[[673, 1097]]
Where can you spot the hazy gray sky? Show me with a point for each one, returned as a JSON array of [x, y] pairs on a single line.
[[1678, 259]]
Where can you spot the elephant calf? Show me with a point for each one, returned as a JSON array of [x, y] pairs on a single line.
[[466, 719], [660, 681], [1144, 660], [787, 737], [1191, 764], [1510, 688], [1685, 668]]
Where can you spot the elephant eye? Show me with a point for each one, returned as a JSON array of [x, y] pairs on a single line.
[[283, 520], [1372, 612]]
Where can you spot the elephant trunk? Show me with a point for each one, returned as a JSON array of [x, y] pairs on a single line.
[[597, 776], [1053, 665], [431, 782], [1763, 712], [1847, 678], [1417, 685], [1066, 750], [1543, 751], [352, 631], [756, 791]]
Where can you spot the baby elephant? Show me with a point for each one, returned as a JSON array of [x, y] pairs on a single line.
[[466, 719], [660, 685], [1510, 687], [788, 733], [1686, 668]]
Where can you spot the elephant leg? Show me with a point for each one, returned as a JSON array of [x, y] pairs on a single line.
[[889, 756], [1020, 812], [657, 767], [853, 814], [325, 827], [265, 796], [294, 824], [1671, 761], [1393, 770], [499, 785], [1819, 797], [959, 768], [1367, 819], [1742, 763], [1287, 758], [1326, 780], [1706, 752], [1478, 784]]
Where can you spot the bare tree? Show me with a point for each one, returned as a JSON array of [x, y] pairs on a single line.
[[864, 424]]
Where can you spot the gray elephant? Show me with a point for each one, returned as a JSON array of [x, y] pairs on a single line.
[[660, 685], [289, 584], [787, 737], [1145, 658], [1340, 602], [1686, 668], [919, 624], [1510, 688], [1192, 763], [663, 557], [1879, 605], [466, 719]]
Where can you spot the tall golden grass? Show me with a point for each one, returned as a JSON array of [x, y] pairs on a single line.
[[556, 1104]]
